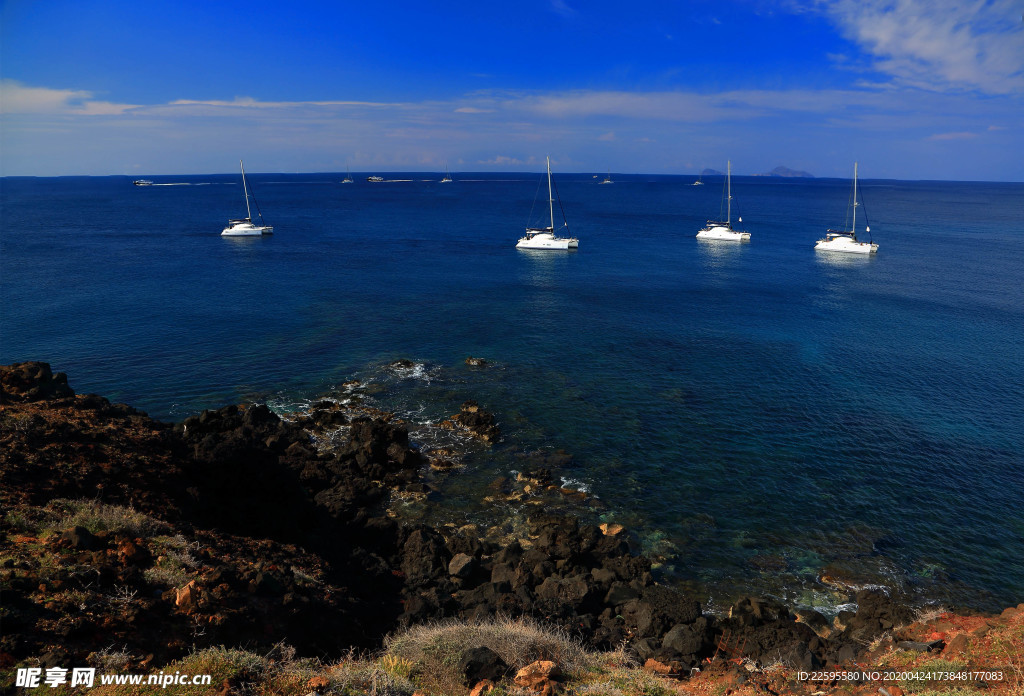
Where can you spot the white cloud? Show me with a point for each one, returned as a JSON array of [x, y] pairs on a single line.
[[938, 44], [16, 98], [503, 161], [250, 103], [473, 110], [607, 137], [692, 107]]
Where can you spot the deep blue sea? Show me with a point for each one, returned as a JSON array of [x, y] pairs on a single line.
[[759, 413]]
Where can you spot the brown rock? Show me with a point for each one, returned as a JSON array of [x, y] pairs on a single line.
[[613, 529], [958, 645], [657, 667], [484, 686], [538, 676], [186, 598], [131, 554]]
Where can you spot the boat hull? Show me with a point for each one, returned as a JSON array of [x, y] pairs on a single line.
[[846, 246], [725, 234], [246, 231], [547, 241]]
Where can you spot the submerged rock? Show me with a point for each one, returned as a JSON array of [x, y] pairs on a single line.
[[474, 420]]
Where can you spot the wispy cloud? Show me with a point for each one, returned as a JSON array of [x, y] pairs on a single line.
[[585, 128], [561, 7], [961, 135], [17, 98], [689, 107], [251, 103], [938, 44], [504, 161]]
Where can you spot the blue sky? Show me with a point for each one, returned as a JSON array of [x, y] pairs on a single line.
[[913, 89]]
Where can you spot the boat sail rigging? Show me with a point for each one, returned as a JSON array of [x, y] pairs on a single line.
[[717, 229], [846, 240], [544, 237], [245, 227]]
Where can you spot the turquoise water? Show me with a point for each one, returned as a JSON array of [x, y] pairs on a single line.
[[759, 413]]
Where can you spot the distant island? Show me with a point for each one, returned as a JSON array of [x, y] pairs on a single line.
[[711, 172], [786, 171]]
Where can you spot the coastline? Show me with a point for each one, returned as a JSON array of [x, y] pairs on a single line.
[[237, 527]]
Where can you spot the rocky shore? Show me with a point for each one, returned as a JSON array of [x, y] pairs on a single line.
[[239, 528]]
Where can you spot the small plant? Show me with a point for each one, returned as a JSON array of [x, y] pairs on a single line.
[[396, 666], [111, 660], [177, 563]]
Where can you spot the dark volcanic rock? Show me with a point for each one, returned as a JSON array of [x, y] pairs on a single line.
[[876, 613], [266, 535], [482, 663], [32, 381]]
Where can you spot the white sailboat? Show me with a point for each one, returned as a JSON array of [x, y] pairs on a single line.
[[447, 176], [700, 180], [716, 229], [245, 227], [607, 179], [544, 237], [348, 177], [846, 241]]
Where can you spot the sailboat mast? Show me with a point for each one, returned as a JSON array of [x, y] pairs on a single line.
[[245, 188], [551, 199], [728, 186], [854, 228]]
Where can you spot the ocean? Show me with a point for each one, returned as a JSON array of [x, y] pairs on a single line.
[[765, 418]]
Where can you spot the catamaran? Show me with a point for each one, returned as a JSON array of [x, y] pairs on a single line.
[[447, 176], [846, 241], [245, 226], [348, 177], [544, 237], [723, 230]]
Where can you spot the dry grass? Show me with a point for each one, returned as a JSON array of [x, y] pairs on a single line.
[[176, 563], [435, 650], [99, 517]]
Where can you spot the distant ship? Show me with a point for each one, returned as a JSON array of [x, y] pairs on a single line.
[[142, 182], [375, 178]]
